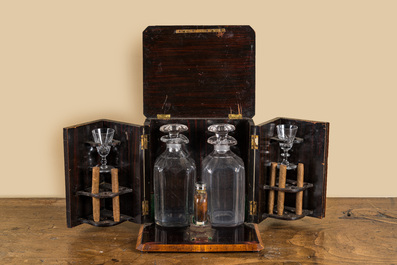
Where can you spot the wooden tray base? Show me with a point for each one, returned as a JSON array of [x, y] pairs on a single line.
[[153, 238]]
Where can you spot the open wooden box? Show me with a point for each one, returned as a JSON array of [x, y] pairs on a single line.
[[197, 76]]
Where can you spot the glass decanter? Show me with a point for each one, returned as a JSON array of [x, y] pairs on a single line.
[[174, 173], [223, 172]]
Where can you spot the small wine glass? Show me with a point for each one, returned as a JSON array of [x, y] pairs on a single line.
[[103, 137], [286, 133]]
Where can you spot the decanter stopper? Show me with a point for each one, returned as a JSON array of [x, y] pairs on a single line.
[[221, 137], [174, 136]]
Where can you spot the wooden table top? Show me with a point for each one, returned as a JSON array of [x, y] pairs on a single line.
[[354, 231]]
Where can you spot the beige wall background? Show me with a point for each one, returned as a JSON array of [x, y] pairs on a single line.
[[68, 62]]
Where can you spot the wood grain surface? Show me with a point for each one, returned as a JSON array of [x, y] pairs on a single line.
[[194, 75], [355, 231]]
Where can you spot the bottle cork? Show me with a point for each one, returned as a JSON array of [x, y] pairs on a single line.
[[116, 199], [96, 206], [270, 203], [281, 194], [299, 195]]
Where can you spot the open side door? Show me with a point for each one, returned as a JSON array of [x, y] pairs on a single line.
[[127, 154], [311, 149]]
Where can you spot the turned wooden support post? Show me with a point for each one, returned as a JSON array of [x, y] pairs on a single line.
[[299, 184], [272, 183], [281, 194], [115, 189], [96, 206]]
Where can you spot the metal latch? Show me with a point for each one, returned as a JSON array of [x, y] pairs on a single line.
[[254, 142], [253, 208], [235, 116], [145, 207], [144, 141], [163, 116]]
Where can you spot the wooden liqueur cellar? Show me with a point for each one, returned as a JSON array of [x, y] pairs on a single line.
[[197, 76]]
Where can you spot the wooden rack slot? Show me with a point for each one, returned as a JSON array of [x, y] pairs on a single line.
[[288, 214], [105, 191], [286, 186], [290, 187], [106, 219]]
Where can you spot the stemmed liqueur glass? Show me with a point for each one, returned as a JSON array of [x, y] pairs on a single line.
[[103, 137], [286, 133]]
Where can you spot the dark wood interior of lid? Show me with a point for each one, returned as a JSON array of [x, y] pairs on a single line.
[[199, 74]]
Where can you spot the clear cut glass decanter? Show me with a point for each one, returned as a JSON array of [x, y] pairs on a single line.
[[224, 173], [174, 175]]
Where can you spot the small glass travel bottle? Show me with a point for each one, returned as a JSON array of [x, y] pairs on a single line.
[[174, 173], [200, 204], [224, 173]]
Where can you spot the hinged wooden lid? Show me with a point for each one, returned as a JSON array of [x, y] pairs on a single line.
[[199, 71]]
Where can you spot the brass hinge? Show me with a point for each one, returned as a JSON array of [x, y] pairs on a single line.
[[145, 207], [253, 208], [235, 116], [254, 142], [144, 141], [163, 116]]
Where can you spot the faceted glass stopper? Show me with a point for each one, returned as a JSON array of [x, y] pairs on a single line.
[[174, 136], [221, 134]]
